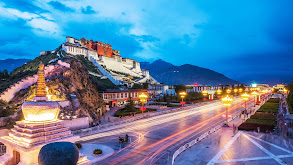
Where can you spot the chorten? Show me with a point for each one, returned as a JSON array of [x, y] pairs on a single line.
[[40, 127]]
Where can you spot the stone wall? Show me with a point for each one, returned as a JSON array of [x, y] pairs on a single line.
[[26, 82], [78, 123]]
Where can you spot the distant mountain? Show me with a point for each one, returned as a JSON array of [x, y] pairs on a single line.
[[186, 74], [11, 64]]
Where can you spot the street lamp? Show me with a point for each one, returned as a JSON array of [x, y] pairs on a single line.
[[254, 93], [240, 90], [245, 97], [235, 91], [285, 91], [143, 97], [227, 103], [204, 93], [219, 91], [228, 91], [182, 95]]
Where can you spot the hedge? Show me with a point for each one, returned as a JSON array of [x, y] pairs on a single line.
[[125, 112]]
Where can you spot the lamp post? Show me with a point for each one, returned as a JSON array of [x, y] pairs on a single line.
[[182, 95], [245, 97], [285, 91], [227, 103], [228, 91], [219, 92], [240, 90], [143, 97], [204, 93], [254, 93], [235, 91]]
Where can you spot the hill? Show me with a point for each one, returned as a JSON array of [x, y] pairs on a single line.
[[74, 84], [186, 74]]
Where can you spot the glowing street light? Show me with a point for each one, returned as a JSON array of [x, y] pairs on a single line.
[[227, 103], [235, 91], [240, 90], [228, 91], [254, 93], [182, 95], [285, 91], [245, 97], [143, 97], [219, 91], [204, 93]]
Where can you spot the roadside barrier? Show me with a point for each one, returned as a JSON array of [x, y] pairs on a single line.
[[204, 135]]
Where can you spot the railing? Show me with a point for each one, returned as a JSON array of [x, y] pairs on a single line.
[[198, 139], [204, 135]]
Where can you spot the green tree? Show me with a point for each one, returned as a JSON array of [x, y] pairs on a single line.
[[130, 106], [179, 88]]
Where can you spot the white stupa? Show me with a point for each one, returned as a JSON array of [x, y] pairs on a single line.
[[40, 127]]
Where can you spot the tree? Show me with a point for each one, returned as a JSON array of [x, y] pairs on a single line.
[[5, 74], [179, 88], [130, 106]]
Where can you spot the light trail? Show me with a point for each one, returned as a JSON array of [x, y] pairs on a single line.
[[204, 113], [160, 148]]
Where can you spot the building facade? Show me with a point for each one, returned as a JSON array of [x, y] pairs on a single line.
[[118, 98]]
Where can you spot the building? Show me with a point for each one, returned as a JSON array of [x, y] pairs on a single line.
[[109, 61], [280, 87], [201, 88], [117, 98]]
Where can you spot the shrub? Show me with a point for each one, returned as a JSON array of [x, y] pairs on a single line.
[[97, 152], [78, 145], [262, 121], [127, 112]]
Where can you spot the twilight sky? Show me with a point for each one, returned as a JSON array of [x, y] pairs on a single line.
[[245, 40]]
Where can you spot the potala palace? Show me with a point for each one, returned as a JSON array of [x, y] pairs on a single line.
[[109, 61]]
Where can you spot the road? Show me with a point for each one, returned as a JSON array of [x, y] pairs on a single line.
[[162, 135]]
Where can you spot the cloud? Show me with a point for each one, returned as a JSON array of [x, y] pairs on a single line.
[[145, 38], [88, 10], [60, 6], [197, 32], [44, 27], [38, 23], [24, 5]]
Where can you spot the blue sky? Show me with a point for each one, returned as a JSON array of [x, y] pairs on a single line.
[[245, 40]]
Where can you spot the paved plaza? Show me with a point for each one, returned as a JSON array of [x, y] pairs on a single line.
[[229, 146]]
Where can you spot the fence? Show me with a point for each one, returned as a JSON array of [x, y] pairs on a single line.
[[193, 142], [198, 139]]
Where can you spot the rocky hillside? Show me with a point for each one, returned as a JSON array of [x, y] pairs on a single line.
[[73, 84], [186, 74]]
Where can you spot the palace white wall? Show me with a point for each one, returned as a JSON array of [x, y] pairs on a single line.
[[112, 64]]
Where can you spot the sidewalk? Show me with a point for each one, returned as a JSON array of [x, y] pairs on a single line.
[[230, 146]]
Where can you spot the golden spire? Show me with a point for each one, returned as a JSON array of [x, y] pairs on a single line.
[[41, 84]]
